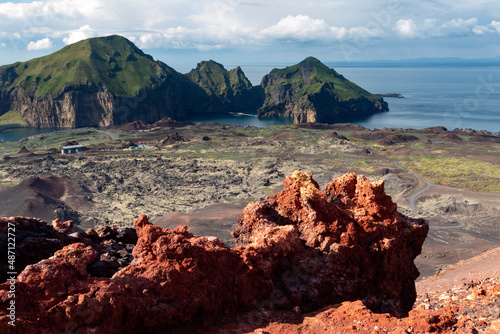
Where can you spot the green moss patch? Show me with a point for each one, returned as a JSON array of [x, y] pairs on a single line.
[[13, 119], [456, 172]]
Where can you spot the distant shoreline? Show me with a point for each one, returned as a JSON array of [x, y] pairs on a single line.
[[10, 127], [393, 95], [464, 131]]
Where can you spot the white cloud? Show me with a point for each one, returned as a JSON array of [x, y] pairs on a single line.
[[254, 25], [305, 28], [151, 40], [42, 44], [20, 10], [496, 26], [300, 27], [40, 12], [407, 29], [481, 30], [455, 27], [79, 34]]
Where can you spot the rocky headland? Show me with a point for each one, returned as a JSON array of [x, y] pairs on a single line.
[[97, 82], [312, 92]]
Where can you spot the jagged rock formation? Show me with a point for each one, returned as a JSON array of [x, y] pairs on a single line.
[[23, 152], [229, 91], [358, 245], [298, 250], [312, 92], [97, 82], [173, 139]]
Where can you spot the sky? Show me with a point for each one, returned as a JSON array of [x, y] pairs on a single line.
[[183, 33]]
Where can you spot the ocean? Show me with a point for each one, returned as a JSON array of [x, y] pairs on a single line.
[[453, 97]]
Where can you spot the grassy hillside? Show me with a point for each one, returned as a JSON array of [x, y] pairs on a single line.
[[310, 76], [113, 62], [216, 80], [228, 90], [12, 119]]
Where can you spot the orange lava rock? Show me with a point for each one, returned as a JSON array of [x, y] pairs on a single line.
[[298, 251], [62, 227], [355, 243], [354, 317]]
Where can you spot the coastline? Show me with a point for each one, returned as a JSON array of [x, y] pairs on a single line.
[[238, 120]]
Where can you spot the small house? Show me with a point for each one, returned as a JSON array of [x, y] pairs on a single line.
[[72, 149]]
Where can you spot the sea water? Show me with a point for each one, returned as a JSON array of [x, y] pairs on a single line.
[[453, 97], [20, 133]]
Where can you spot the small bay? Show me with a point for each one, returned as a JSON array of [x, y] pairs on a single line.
[[20, 133]]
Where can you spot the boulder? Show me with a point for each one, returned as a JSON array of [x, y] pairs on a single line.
[[63, 227]]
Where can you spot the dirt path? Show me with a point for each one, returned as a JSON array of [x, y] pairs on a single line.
[[412, 199], [112, 136]]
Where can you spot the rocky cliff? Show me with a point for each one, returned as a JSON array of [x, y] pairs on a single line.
[[229, 91], [312, 92], [97, 82], [298, 251]]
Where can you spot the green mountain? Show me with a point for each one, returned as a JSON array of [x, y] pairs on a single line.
[[98, 81], [113, 62], [229, 91], [312, 92]]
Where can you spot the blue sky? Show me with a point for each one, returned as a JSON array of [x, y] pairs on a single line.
[[182, 33]]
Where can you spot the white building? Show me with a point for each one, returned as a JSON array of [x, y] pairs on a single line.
[[72, 149]]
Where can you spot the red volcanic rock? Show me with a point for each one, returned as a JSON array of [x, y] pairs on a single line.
[[354, 317], [297, 252], [354, 243], [54, 275], [176, 279], [42, 290], [62, 227]]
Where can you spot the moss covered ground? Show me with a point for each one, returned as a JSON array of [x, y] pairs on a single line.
[[464, 165]]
